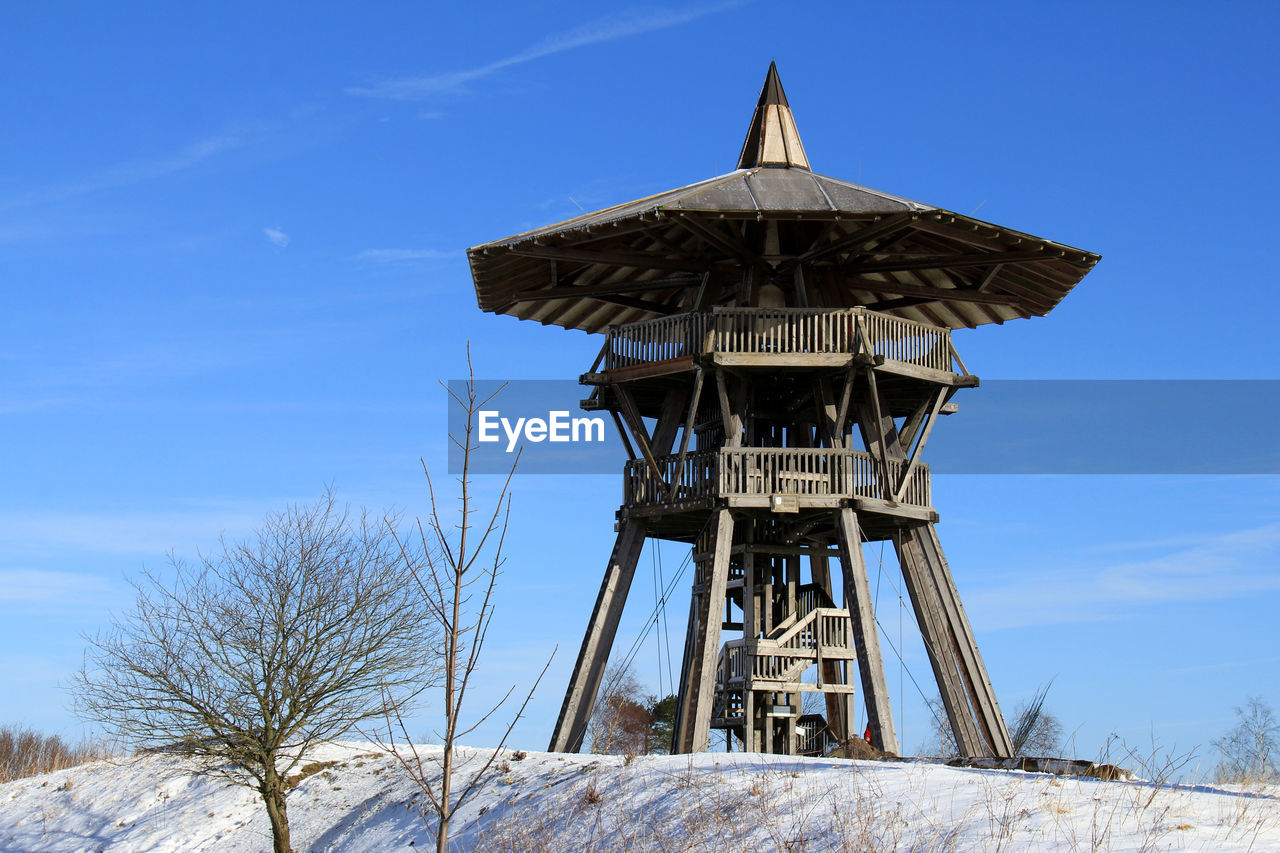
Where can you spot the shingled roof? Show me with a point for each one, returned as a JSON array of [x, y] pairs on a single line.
[[857, 246]]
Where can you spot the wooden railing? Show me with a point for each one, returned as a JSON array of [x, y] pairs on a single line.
[[656, 340], [740, 472], [794, 649], [640, 487], [785, 471], [848, 331], [814, 740]]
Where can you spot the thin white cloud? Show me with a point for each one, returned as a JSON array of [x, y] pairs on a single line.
[[36, 586], [1230, 565], [610, 28], [1231, 664], [137, 171], [388, 256], [276, 236]]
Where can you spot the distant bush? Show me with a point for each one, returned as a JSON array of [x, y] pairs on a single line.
[[25, 752]]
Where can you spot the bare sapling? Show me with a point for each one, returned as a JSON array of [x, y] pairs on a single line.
[[457, 580]]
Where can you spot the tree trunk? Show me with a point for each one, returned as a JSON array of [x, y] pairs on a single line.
[[273, 795], [442, 836], [446, 791]]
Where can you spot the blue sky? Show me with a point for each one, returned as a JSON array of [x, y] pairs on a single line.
[[232, 260]]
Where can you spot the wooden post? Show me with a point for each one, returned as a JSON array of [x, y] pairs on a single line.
[[698, 688], [968, 697], [857, 597], [970, 702], [580, 698]]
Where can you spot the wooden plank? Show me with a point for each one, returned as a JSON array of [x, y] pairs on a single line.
[[702, 676], [731, 420], [805, 501], [939, 643], [703, 298], [773, 360], [637, 260], [932, 294], [694, 398], [679, 729], [973, 671], [648, 370], [881, 438], [630, 285], [764, 684], [926, 374], [910, 467], [942, 262], [857, 596], [584, 683], [622, 433], [708, 233], [812, 551], [882, 507], [890, 226], [638, 431]]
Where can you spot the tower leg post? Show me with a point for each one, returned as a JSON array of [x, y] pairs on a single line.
[[857, 598], [970, 701], [697, 688], [579, 699]]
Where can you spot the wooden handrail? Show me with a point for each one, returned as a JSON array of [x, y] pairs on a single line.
[[767, 471], [849, 331]]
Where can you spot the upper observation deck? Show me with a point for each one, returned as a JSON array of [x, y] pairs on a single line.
[[779, 338]]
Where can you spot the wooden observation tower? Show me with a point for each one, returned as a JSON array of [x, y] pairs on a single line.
[[788, 336]]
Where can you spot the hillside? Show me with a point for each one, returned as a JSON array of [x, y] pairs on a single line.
[[715, 801]]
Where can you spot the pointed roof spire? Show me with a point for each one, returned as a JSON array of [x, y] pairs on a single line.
[[773, 139]]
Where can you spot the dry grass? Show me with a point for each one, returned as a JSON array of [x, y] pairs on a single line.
[[25, 752]]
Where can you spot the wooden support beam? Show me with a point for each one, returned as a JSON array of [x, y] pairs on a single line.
[[609, 257], [699, 688], [983, 709], [702, 300], [932, 294], [908, 431], [731, 420], [889, 227], [802, 291], [669, 420], [579, 700], [638, 431], [570, 291], [938, 399], [694, 398], [622, 433], [942, 262], [708, 233], [857, 598], [678, 739], [882, 441]]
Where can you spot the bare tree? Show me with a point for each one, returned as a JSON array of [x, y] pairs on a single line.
[[457, 583], [1036, 732], [246, 659], [621, 720], [942, 742], [1251, 750]]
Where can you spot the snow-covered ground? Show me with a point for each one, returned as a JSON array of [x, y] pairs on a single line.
[[714, 801]]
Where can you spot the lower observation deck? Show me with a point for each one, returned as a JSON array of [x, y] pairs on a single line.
[[677, 493]]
